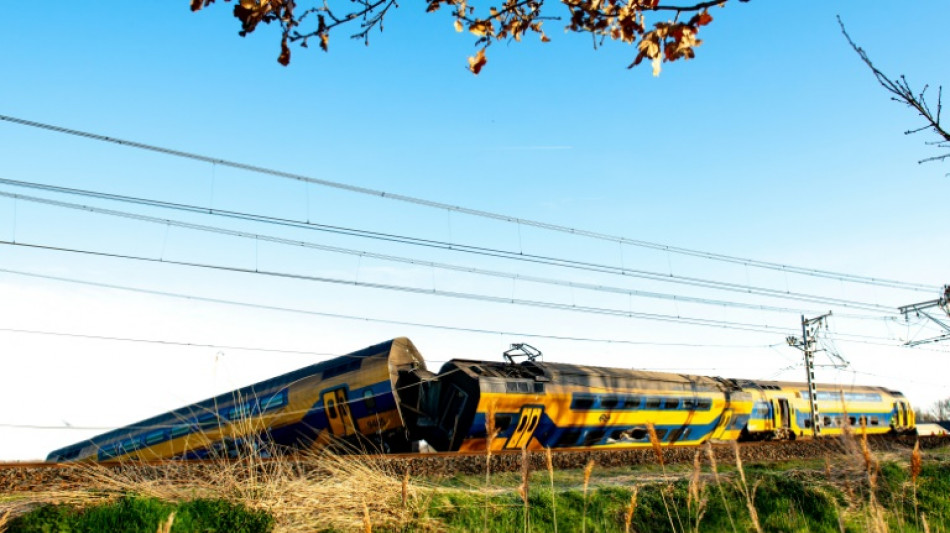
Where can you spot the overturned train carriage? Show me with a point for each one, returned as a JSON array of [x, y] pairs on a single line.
[[539, 405], [349, 400]]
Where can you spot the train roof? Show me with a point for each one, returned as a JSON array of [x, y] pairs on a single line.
[[777, 385], [589, 376], [400, 351]]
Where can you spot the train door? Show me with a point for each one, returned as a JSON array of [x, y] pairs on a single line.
[[784, 415], [338, 412], [527, 422]]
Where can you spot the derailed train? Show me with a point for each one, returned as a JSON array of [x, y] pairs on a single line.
[[383, 398]]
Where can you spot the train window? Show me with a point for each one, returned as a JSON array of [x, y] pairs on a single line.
[[703, 403], [517, 386], [852, 420], [240, 412], [826, 421], [273, 402], [632, 402], [672, 403], [689, 403], [660, 434], [863, 420], [582, 402], [875, 421], [208, 421], [155, 437], [502, 422], [369, 400], [178, 431], [653, 403], [593, 437], [837, 420], [569, 437], [609, 402], [539, 388], [331, 409], [676, 434], [638, 434], [807, 422]]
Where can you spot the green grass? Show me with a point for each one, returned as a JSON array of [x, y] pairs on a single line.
[[783, 504], [799, 496], [144, 515]]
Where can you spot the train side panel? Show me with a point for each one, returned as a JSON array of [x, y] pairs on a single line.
[[349, 399]]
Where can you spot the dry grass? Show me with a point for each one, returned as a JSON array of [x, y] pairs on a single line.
[[658, 452], [166, 527], [632, 508], [307, 493], [550, 464], [4, 520], [744, 489], [711, 454], [587, 472], [697, 499]]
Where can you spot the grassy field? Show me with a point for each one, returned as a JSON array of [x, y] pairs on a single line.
[[855, 491]]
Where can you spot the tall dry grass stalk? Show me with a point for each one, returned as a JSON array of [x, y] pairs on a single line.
[[587, 472], [367, 523], [923, 522], [658, 452], [550, 463], [697, 500], [405, 489], [4, 520], [655, 442], [631, 508], [915, 466], [711, 454], [490, 433], [525, 486], [744, 489], [166, 527], [876, 520]]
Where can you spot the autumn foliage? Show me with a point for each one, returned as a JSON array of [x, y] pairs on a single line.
[[659, 41]]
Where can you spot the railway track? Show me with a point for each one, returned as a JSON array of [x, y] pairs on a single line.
[[34, 476]]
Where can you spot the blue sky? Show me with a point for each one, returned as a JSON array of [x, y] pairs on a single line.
[[775, 144]]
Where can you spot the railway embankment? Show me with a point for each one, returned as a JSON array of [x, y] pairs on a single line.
[[27, 477]]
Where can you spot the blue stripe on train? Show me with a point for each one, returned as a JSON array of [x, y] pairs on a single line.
[[551, 435]]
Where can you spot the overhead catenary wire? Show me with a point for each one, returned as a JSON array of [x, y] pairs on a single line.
[[374, 319], [479, 213], [737, 326], [485, 272], [435, 292]]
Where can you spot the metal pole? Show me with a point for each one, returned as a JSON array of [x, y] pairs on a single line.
[[810, 371]]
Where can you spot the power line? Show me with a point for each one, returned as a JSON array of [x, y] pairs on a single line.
[[435, 292], [163, 342], [469, 269], [371, 319], [480, 213], [737, 326]]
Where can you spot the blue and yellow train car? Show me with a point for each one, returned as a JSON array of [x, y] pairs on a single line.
[[782, 410], [350, 399], [546, 405]]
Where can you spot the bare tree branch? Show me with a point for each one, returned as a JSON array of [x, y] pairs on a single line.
[[511, 20], [902, 92]]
